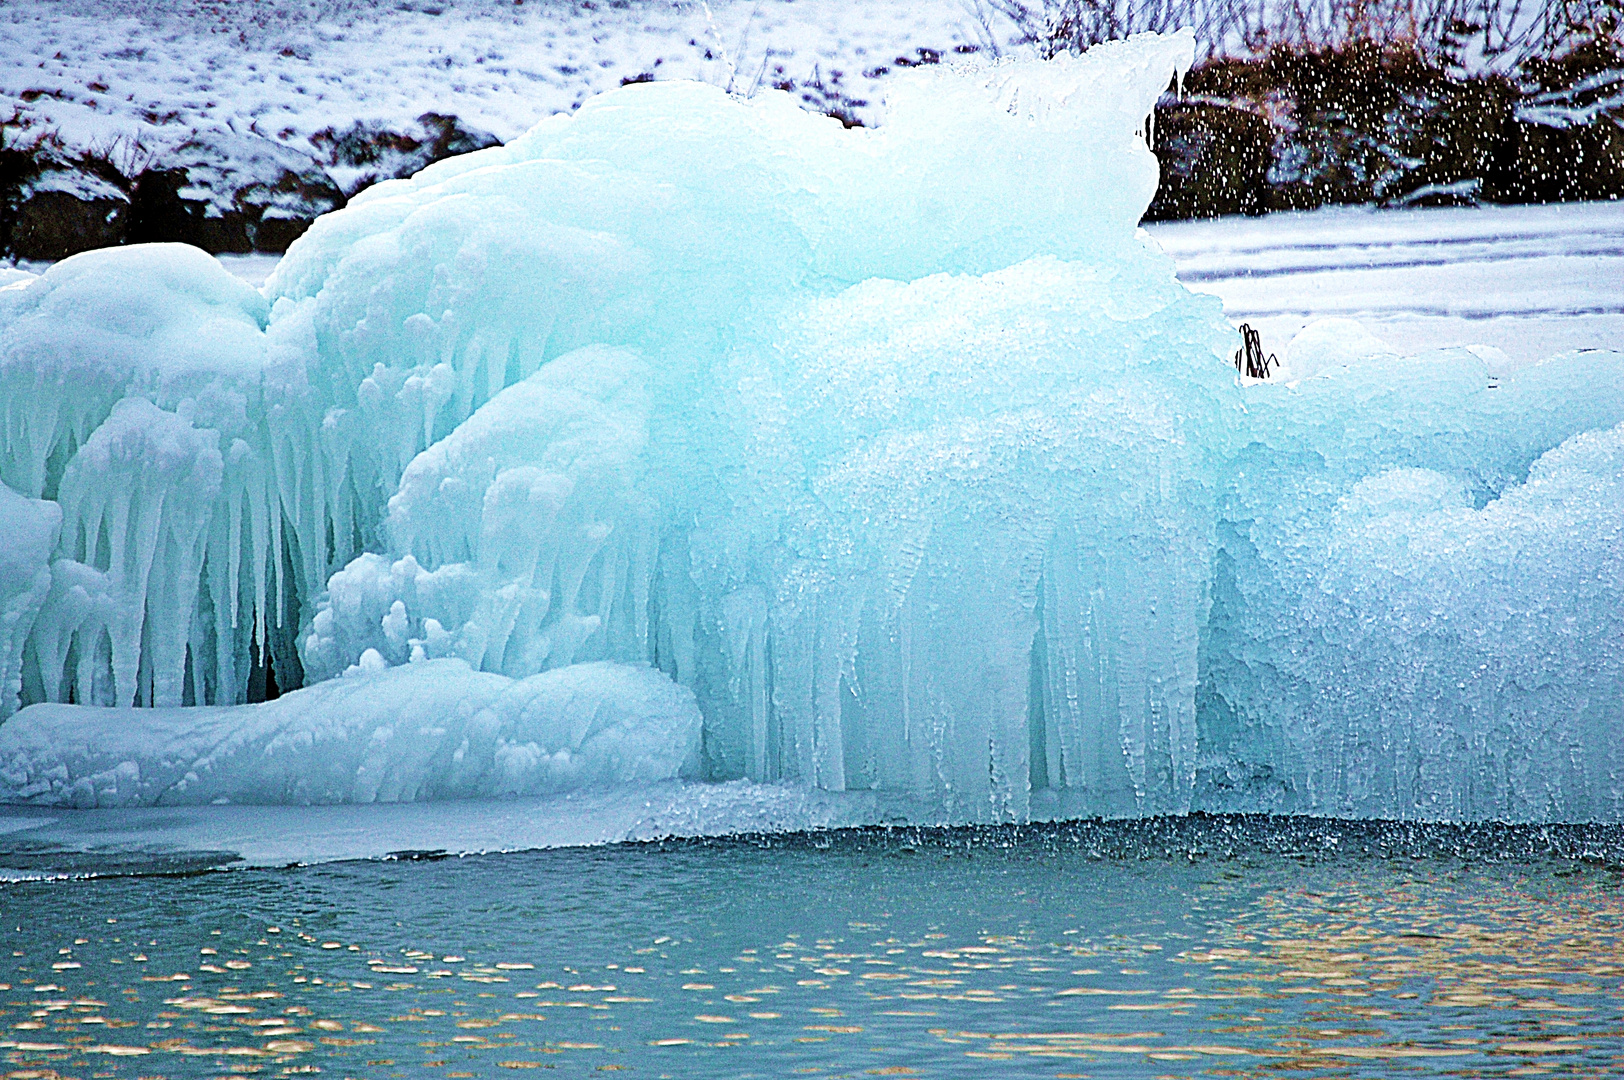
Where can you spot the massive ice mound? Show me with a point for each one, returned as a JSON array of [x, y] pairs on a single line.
[[901, 450], [1417, 608]]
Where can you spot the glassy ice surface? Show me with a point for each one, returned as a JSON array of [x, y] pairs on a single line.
[[1206, 947]]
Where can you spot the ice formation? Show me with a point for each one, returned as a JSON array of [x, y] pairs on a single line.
[[30, 528], [432, 730], [912, 463]]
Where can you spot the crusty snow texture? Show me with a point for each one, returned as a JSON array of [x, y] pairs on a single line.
[[434, 730], [838, 457], [133, 75]]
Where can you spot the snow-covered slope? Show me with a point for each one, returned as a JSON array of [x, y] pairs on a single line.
[[150, 71]]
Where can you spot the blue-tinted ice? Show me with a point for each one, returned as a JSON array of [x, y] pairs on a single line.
[[900, 452]]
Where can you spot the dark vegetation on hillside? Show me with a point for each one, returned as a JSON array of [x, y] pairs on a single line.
[[1304, 103], [221, 191], [1367, 122], [1297, 104]]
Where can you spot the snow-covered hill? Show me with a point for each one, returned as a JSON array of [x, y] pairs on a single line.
[[140, 75]]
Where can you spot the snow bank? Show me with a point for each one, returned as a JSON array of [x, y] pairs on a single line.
[[919, 470], [428, 731], [1529, 281]]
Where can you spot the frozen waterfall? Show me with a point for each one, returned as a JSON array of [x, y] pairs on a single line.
[[693, 436]]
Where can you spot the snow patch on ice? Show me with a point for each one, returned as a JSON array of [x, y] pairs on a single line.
[[1331, 343], [78, 842]]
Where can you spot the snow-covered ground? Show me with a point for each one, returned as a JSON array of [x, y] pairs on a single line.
[[151, 71], [1533, 281]]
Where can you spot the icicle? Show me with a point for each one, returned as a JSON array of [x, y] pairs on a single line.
[[147, 480], [744, 643], [31, 529]]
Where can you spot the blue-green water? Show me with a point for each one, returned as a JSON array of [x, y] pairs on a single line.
[[1207, 947]]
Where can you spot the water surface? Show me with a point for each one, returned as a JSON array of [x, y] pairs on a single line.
[[1202, 947]]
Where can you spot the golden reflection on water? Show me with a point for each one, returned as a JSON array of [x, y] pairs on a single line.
[[1496, 974], [1455, 973]]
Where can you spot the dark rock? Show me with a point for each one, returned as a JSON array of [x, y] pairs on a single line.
[[54, 222], [222, 191], [367, 153], [159, 214], [15, 166], [56, 205], [275, 233], [226, 192]]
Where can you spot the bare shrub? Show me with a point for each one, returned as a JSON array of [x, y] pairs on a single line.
[[1495, 30]]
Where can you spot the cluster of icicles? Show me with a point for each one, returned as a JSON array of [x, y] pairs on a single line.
[[921, 487]]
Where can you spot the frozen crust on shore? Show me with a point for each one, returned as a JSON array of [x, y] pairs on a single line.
[[434, 730]]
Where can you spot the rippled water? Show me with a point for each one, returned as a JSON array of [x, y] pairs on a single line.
[[1203, 947]]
